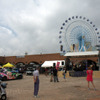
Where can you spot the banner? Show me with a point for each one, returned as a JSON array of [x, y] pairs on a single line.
[[57, 65]]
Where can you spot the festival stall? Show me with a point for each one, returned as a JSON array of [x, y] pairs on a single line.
[[7, 65], [57, 63]]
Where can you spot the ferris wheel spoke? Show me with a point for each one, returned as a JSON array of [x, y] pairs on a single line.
[[79, 31]]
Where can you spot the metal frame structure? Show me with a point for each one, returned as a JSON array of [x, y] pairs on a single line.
[[78, 30]]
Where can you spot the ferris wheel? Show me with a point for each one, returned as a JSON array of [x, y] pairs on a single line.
[[78, 34]]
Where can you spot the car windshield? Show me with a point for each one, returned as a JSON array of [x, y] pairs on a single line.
[[30, 69]]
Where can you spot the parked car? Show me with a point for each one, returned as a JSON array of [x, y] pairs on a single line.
[[30, 71], [15, 70], [10, 76]]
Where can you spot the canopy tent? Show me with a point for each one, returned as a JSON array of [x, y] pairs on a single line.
[[81, 53], [8, 65], [50, 63]]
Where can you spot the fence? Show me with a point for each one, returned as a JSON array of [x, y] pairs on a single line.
[[77, 73]]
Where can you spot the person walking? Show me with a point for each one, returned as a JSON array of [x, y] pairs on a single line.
[[90, 77], [36, 81]]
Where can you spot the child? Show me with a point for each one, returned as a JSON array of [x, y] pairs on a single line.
[[90, 76]]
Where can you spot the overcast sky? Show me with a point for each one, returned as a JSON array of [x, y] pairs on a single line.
[[33, 26]]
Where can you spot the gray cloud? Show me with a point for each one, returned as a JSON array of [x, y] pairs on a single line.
[[33, 25]]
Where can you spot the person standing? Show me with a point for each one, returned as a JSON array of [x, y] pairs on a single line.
[[46, 71], [36, 81], [90, 77], [51, 73], [64, 73], [55, 74]]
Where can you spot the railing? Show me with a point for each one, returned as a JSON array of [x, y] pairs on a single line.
[[77, 73]]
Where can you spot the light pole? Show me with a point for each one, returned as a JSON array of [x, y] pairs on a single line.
[[98, 48]]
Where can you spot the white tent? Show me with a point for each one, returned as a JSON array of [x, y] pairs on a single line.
[[50, 63], [82, 53]]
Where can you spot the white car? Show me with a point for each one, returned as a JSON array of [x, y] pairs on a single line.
[[30, 71]]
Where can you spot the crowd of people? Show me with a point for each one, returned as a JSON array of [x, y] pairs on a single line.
[[53, 71]]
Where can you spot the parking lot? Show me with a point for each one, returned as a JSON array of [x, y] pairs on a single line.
[[73, 89]]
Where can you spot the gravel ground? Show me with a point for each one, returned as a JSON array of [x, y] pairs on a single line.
[[71, 89]]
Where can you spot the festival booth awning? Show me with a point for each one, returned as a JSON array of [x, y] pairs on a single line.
[[86, 53], [8, 65], [50, 63]]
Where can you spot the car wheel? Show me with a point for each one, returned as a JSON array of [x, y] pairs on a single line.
[[3, 97], [4, 78]]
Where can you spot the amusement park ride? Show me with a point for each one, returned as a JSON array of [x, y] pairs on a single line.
[[78, 34]]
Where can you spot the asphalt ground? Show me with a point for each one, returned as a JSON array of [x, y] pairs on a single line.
[[74, 88]]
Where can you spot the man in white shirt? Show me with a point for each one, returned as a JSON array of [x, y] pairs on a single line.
[[36, 81]]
